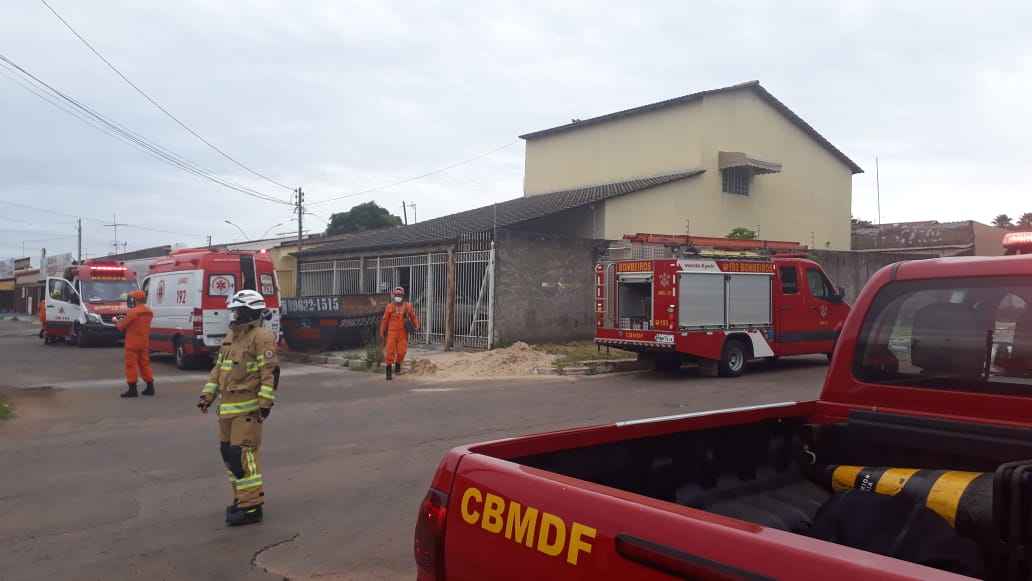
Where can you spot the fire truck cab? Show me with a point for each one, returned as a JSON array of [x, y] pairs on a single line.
[[188, 292], [81, 306], [720, 306]]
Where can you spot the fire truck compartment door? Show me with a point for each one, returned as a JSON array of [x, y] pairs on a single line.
[[701, 300], [748, 299]]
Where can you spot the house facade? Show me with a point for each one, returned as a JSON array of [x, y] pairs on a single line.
[[760, 167]]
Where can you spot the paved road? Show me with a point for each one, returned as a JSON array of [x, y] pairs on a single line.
[[96, 487]]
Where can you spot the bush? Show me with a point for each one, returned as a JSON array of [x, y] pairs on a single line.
[[5, 411]]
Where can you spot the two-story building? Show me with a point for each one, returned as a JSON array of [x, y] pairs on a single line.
[[761, 166]]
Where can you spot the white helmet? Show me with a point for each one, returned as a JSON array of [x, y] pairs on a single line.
[[247, 299]]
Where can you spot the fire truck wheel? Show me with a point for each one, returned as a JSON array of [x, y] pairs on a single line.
[[733, 358]]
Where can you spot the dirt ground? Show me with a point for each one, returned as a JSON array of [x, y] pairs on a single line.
[[519, 359]]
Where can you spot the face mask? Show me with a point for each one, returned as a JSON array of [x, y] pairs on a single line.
[[398, 299]]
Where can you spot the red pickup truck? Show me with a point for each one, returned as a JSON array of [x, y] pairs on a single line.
[[928, 400]]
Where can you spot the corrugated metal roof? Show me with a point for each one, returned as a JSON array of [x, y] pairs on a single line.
[[509, 213], [753, 86]]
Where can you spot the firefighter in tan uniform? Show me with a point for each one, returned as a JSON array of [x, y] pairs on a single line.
[[245, 376]]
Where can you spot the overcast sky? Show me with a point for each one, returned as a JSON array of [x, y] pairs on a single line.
[[344, 96]]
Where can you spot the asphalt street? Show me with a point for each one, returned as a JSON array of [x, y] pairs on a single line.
[[96, 487]]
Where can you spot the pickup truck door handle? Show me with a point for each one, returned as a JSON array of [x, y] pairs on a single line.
[[678, 563]]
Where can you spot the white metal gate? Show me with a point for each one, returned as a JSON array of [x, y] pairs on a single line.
[[425, 278]]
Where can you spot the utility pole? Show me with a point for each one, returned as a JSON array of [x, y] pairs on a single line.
[[413, 206], [78, 228], [300, 209], [209, 240], [404, 211], [114, 225]]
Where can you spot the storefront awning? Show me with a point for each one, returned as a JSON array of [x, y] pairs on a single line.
[[731, 159]]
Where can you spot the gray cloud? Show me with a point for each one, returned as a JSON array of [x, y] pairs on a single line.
[[341, 97]]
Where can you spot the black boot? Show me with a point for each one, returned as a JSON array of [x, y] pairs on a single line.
[[244, 516], [230, 510], [131, 392], [389, 368], [397, 368], [149, 390]]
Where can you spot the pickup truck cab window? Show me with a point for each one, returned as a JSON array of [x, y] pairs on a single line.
[[961, 334]]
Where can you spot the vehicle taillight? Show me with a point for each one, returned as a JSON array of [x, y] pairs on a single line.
[[198, 322], [429, 541]]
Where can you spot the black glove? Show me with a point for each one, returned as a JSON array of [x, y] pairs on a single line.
[[265, 412], [203, 404]]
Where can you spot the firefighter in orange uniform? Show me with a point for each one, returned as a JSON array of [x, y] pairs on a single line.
[[394, 329], [136, 325]]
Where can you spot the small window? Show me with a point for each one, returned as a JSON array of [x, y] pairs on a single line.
[[221, 285], [736, 180], [819, 285], [970, 335], [789, 280]]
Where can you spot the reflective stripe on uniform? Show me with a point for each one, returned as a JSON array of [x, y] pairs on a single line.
[[252, 466], [249, 482], [210, 388], [267, 391], [260, 360], [252, 367], [227, 364], [250, 405]]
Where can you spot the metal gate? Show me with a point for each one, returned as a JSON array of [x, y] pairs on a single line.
[[425, 278]]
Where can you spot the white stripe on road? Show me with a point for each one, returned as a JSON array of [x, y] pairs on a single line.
[[182, 377]]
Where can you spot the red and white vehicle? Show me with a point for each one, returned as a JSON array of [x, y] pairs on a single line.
[[188, 291], [721, 306], [82, 305]]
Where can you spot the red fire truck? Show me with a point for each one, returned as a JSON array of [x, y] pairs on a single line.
[[188, 292], [81, 306], [1017, 243], [716, 301]]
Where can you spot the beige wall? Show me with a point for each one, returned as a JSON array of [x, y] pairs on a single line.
[[285, 265], [812, 193], [988, 239]]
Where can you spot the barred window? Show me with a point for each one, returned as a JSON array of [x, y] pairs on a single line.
[[735, 180]]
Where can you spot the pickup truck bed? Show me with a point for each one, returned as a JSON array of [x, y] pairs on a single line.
[[611, 502]]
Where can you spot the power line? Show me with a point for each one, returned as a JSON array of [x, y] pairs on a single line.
[[159, 106], [418, 177], [113, 128], [99, 220]]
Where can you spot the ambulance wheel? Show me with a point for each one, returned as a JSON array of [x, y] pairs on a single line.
[[79, 336], [732, 359], [183, 361]]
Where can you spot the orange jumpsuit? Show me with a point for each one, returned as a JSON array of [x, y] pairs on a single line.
[[137, 325], [392, 327]]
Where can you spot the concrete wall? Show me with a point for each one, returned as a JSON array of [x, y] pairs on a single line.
[[808, 201], [544, 287], [852, 270]]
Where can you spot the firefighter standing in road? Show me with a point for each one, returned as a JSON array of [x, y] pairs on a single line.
[[245, 376], [136, 325], [394, 329]]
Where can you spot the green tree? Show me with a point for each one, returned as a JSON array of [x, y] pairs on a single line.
[[1025, 221], [1003, 221], [742, 233], [367, 216]]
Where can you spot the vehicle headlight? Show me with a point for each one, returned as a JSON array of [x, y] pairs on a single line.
[[94, 318]]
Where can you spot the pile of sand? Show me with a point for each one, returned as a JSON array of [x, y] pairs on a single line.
[[518, 359]]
